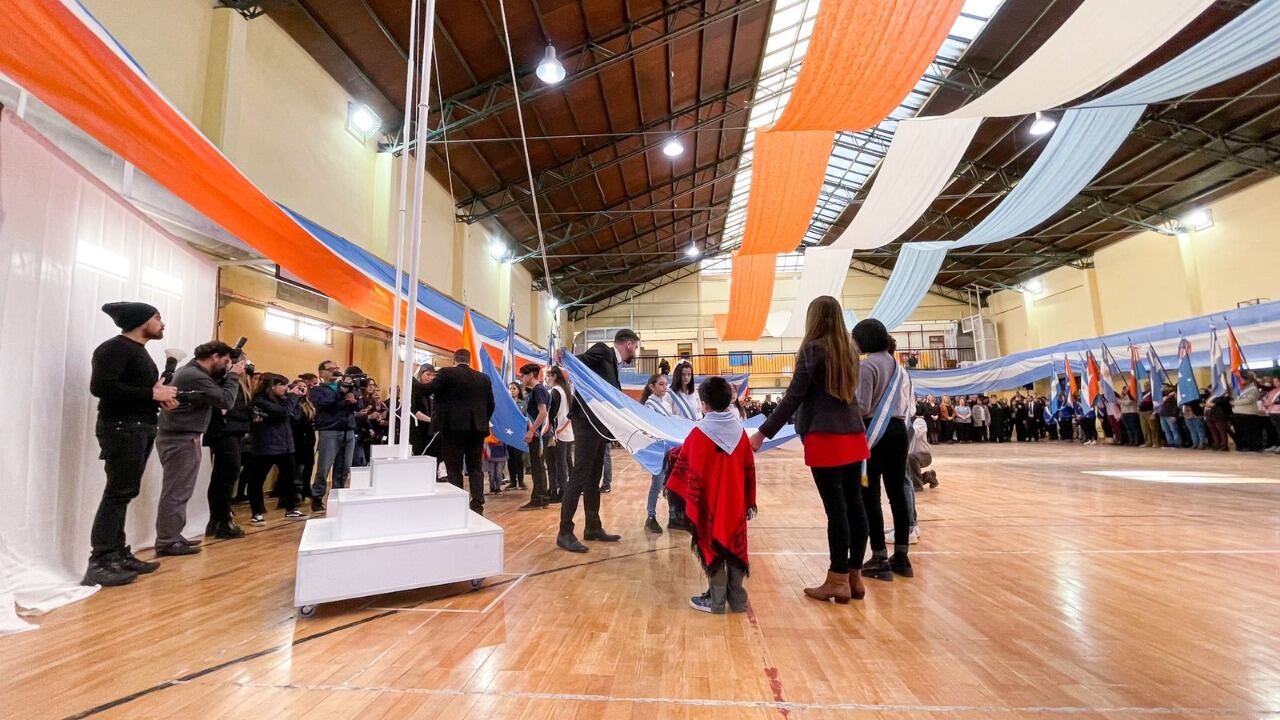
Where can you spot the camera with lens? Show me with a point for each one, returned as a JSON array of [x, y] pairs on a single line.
[[185, 396], [258, 414], [353, 382]]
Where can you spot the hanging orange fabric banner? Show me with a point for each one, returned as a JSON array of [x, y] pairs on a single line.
[[863, 58], [750, 295]]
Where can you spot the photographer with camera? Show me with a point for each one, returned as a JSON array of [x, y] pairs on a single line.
[[130, 394], [211, 381], [275, 404], [336, 403], [226, 438]]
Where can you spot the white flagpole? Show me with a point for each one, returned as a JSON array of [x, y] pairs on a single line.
[[400, 221], [419, 170]]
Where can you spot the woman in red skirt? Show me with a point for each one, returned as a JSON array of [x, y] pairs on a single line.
[[821, 396]]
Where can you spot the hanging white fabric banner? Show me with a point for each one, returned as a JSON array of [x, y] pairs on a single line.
[[1100, 40]]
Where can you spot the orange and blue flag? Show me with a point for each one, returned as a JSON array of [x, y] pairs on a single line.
[[1237, 361]]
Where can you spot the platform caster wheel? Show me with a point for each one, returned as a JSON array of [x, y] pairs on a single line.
[[475, 584], [307, 611]]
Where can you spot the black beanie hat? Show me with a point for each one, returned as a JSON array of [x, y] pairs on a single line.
[[129, 315]]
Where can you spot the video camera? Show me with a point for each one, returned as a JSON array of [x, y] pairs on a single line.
[[351, 382], [237, 352]]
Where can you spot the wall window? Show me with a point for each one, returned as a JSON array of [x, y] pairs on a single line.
[[279, 322]]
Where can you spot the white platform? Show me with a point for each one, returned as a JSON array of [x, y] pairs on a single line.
[[330, 568], [394, 529], [362, 513]]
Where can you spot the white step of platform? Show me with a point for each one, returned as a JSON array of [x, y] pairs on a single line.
[[403, 476], [378, 452], [365, 513], [361, 477], [331, 569]]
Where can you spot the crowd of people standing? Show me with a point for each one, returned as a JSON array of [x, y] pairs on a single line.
[[1247, 420]]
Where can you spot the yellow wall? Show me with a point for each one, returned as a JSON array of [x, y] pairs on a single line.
[[282, 119], [1151, 278]]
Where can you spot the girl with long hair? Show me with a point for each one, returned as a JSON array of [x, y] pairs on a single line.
[[515, 458], [304, 445], [657, 398], [559, 450], [823, 398], [274, 406], [684, 392]]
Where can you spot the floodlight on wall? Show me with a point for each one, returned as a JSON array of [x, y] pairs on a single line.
[[553, 304], [498, 250], [550, 71], [1197, 220], [693, 252], [673, 148], [1042, 125], [1033, 286], [361, 121]]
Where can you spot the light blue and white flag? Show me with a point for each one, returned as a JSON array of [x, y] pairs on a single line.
[[1217, 368], [509, 368], [647, 435], [508, 422]]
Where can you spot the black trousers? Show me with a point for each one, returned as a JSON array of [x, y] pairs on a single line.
[[559, 458], [888, 464], [535, 461], [304, 460], [948, 428], [584, 479], [125, 448], [515, 467], [457, 448], [225, 452], [259, 466], [841, 491]]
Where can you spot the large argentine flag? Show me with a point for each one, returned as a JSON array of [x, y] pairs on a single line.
[[645, 434]]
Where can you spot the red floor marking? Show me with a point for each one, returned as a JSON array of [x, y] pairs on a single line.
[[775, 684]]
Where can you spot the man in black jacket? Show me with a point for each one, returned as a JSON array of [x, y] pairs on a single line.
[[591, 446], [464, 403], [127, 384]]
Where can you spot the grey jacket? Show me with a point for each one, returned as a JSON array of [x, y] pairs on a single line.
[[203, 394]]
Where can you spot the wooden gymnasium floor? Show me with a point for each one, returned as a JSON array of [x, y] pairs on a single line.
[[1042, 591]]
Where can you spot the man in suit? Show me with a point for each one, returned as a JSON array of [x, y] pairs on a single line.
[[591, 447], [463, 406]]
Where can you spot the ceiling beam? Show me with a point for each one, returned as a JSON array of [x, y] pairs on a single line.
[[485, 100]]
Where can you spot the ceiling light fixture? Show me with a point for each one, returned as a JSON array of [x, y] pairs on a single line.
[[498, 250], [693, 252], [550, 71], [553, 304], [361, 121], [1197, 220], [1035, 287], [673, 148], [1043, 124]]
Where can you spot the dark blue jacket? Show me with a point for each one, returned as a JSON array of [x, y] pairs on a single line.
[[273, 434], [332, 411]]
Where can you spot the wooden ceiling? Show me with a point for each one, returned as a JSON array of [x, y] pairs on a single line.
[[617, 214]]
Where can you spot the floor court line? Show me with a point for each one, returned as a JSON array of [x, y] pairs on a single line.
[[784, 706]]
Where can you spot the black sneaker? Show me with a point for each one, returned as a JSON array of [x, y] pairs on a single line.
[[317, 505], [129, 562], [108, 572], [228, 531], [570, 543], [599, 535], [899, 564], [533, 505], [294, 515], [606, 490], [674, 525], [877, 569], [651, 525], [258, 519], [176, 549]]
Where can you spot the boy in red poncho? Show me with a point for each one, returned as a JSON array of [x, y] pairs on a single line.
[[715, 474]]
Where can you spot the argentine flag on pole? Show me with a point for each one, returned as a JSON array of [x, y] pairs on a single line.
[[508, 422], [1217, 371], [647, 435], [1159, 376], [1188, 391], [1055, 392], [509, 368]]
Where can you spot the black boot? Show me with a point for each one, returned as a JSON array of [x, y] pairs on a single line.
[[877, 568], [900, 563], [131, 562], [108, 571]]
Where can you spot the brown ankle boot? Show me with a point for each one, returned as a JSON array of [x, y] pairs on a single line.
[[835, 588], [857, 590]]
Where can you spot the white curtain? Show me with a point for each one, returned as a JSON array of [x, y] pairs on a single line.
[[68, 245]]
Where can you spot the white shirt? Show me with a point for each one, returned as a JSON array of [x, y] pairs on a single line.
[[561, 419]]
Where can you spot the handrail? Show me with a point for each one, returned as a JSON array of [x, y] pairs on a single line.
[[783, 363]]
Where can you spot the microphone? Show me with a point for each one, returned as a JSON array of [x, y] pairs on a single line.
[[171, 358]]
